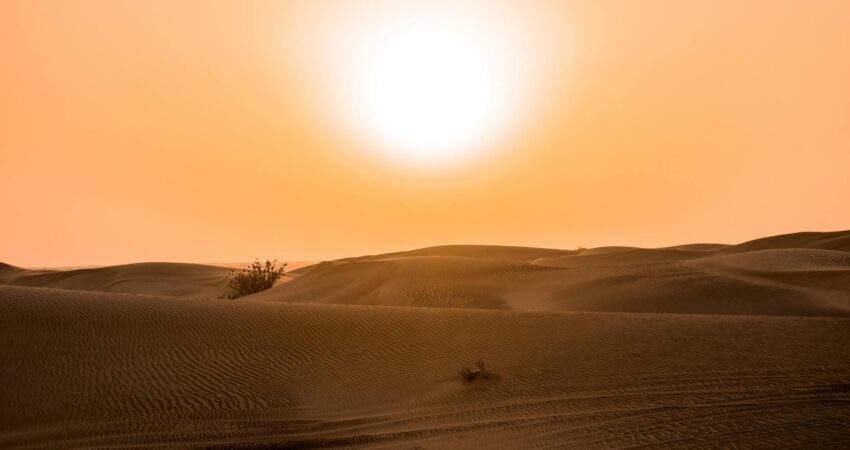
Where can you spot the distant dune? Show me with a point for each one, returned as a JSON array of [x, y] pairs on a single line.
[[797, 274], [172, 279], [794, 274], [145, 356], [836, 240]]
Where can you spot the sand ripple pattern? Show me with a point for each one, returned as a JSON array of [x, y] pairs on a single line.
[[106, 370]]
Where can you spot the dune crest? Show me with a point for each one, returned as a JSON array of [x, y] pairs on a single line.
[[170, 279], [797, 274], [805, 274]]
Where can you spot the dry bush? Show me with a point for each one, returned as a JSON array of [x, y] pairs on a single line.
[[257, 277], [479, 372]]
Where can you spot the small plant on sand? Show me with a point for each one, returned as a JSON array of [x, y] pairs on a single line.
[[257, 277], [479, 372]]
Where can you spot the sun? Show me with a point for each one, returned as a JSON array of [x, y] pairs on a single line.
[[428, 88], [426, 84]]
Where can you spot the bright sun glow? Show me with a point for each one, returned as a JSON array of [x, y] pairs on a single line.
[[427, 84], [429, 88]]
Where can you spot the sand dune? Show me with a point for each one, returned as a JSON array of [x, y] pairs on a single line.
[[172, 279], [126, 370], [798, 274], [9, 272], [836, 240], [700, 345], [795, 274]]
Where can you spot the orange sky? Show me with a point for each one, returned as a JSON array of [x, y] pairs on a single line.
[[180, 131]]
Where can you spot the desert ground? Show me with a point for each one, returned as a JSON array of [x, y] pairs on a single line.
[[702, 345]]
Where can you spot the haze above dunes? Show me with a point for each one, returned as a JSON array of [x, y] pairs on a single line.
[[694, 345]]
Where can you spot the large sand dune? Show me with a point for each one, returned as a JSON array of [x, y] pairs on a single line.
[[172, 279], [699, 345], [798, 274], [794, 274]]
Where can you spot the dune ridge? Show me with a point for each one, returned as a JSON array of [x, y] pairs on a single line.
[[169, 279], [796, 274], [9, 272]]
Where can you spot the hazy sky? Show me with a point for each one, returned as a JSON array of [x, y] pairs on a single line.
[[194, 131]]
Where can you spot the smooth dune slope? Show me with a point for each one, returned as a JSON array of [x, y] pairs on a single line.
[[834, 240], [798, 274], [9, 272], [171, 279], [795, 274], [105, 370]]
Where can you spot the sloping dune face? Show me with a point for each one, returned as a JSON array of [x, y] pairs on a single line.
[[367, 352], [798, 274], [170, 279], [105, 370], [836, 240], [9, 272], [795, 274]]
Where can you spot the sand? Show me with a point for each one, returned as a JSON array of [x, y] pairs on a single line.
[[171, 279], [803, 274], [357, 369]]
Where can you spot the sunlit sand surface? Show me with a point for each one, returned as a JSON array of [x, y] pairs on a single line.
[[690, 346]]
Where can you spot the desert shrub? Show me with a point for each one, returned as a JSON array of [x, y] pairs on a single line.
[[479, 372], [257, 277]]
